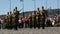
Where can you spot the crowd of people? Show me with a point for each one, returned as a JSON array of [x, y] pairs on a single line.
[[36, 19], [27, 22]]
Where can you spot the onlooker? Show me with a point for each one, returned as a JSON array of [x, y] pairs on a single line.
[[26, 22], [49, 21], [20, 23], [0, 23]]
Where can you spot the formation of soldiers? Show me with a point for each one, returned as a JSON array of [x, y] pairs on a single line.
[[12, 19], [35, 19]]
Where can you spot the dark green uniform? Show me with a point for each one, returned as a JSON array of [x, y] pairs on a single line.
[[38, 19], [7, 21], [30, 21], [10, 22], [16, 18], [44, 14], [34, 17]]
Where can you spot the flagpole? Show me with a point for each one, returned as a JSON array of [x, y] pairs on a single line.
[[58, 6], [23, 9], [22, 6], [46, 4], [10, 5], [34, 4]]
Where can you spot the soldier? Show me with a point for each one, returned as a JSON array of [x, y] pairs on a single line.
[[38, 18], [10, 20], [16, 18], [7, 21], [43, 17], [30, 20], [34, 19]]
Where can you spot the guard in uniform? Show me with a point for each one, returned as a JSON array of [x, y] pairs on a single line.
[[34, 19], [38, 18], [7, 25], [10, 20], [16, 18], [30, 20], [43, 17]]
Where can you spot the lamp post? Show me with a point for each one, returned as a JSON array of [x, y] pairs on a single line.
[[58, 7], [22, 6], [46, 4], [23, 9], [34, 4], [10, 4]]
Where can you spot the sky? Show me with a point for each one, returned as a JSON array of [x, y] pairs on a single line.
[[28, 5]]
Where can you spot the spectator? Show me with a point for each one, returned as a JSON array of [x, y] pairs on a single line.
[[49, 20], [20, 23], [26, 22], [0, 23]]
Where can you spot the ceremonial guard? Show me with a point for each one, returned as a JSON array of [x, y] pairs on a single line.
[[34, 19], [10, 20], [43, 17], [30, 20], [15, 18], [38, 18], [7, 25]]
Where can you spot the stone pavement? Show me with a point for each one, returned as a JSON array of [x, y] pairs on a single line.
[[47, 30]]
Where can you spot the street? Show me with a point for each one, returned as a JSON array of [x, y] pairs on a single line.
[[47, 30]]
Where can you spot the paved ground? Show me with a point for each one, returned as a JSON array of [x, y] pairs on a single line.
[[47, 30]]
